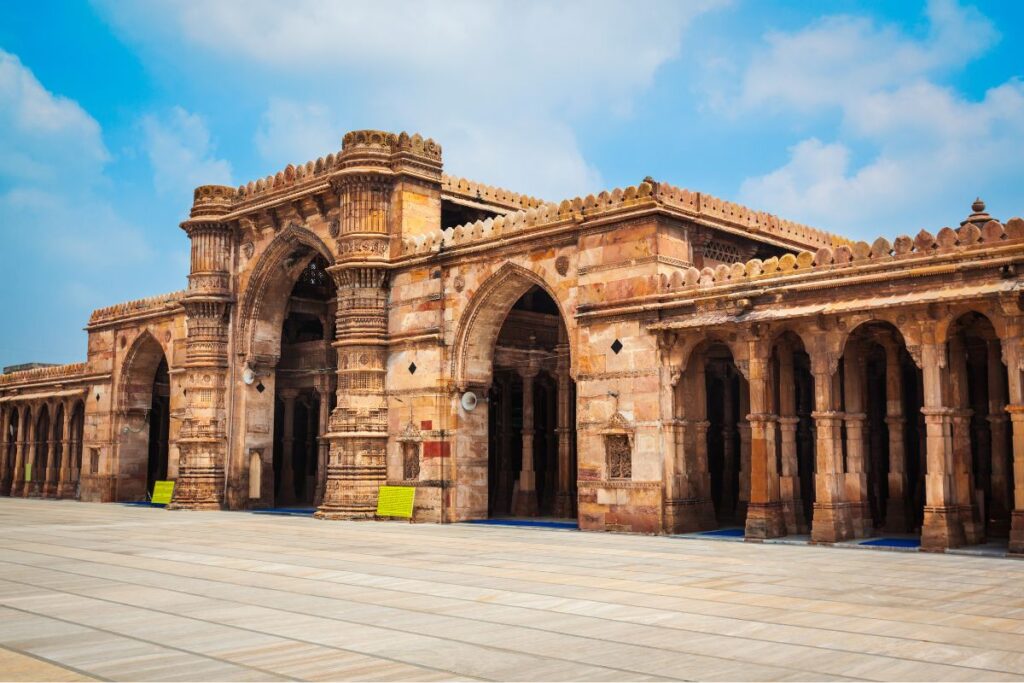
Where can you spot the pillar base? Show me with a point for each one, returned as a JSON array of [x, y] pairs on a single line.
[[524, 504], [764, 520], [941, 529], [831, 523], [339, 512], [564, 505], [5, 486], [687, 515], [198, 488], [50, 490], [974, 529], [1017, 532]]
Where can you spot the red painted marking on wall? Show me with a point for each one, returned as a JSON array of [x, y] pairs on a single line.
[[437, 449], [426, 425]]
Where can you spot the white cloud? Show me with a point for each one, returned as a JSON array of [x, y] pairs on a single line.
[[909, 152], [492, 82], [45, 136], [292, 132], [180, 151]]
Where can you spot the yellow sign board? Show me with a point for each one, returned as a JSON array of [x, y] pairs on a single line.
[[395, 501], [162, 492], [28, 470]]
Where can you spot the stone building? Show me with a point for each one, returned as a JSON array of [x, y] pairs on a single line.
[[647, 359]]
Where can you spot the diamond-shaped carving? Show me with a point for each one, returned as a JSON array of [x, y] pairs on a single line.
[[412, 368], [616, 347], [260, 388]]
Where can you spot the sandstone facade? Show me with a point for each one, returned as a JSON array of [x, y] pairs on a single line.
[[648, 359]]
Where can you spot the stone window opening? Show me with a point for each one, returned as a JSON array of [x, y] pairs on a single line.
[[410, 461], [619, 454]]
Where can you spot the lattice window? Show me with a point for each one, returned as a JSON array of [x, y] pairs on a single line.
[[620, 456], [721, 251], [411, 460]]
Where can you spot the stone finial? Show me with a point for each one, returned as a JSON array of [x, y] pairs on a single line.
[[980, 216]]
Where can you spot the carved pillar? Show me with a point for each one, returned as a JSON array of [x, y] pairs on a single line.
[[941, 528], [323, 445], [504, 476], [764, 513], [695, 510], [831, 520], [1013, 352], [6, 464], [202, 439], [64, 486], [729, 455], [524, 502], [18, 470], [30, 474], [743, 426], [963, 460], [789, 481], [854, 381], [1001, 501], [356, 465], [49, 478], [286, 487], [564, 503], [896, 519]]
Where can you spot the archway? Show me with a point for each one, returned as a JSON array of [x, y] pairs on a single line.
[[36, 473], [143, 420], [882, 432], [517, 448], [982, 448], [794, 403], [302, 388], [531, 463]]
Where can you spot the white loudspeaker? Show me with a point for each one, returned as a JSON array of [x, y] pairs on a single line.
[[469, 401], [248, 376]]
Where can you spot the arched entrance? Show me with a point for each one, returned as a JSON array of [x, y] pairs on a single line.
[[40, 452], [144, 419], [531, 466], [303, 397], [516, 448]]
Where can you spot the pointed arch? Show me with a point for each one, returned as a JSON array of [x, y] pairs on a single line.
[[275, 271], [137, 372], [473, 360]]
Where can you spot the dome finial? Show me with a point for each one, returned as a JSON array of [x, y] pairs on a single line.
[[979, 217], [978, 206]]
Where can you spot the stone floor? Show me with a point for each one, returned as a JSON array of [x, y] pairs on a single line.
[[116, 592]]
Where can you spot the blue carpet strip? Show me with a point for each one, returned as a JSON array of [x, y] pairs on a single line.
[[894, 542], [525, 522], [294, 512], [731, 533], [144, 504]]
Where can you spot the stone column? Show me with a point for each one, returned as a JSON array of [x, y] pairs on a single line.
[[896, 518], [31, 454], [729, 455], [789, 482], [357, 467], [1013, 352], [764, 513], [503, 477], [49, 489], [854, 381], [831, 521], [65, 488], [1000, 504], [564, 503], [287, 484], [743, 427], [6, 465], [18, 471], [963, 459], [941, 528], [524, 503], [323, 445], [202, 439]]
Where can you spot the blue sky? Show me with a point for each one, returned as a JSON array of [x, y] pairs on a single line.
[[863, 118]]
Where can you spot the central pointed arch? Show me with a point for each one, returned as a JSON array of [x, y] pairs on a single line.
[[473, 361]]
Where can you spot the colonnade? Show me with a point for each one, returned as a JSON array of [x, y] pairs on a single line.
[[884, 437], [41, 448]]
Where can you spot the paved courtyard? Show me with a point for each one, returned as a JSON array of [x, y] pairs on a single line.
[[117, 592]]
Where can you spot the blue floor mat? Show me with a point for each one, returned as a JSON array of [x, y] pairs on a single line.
[[894, 542], [731, 533], [525, 522], [296, 512], [144, 504]]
